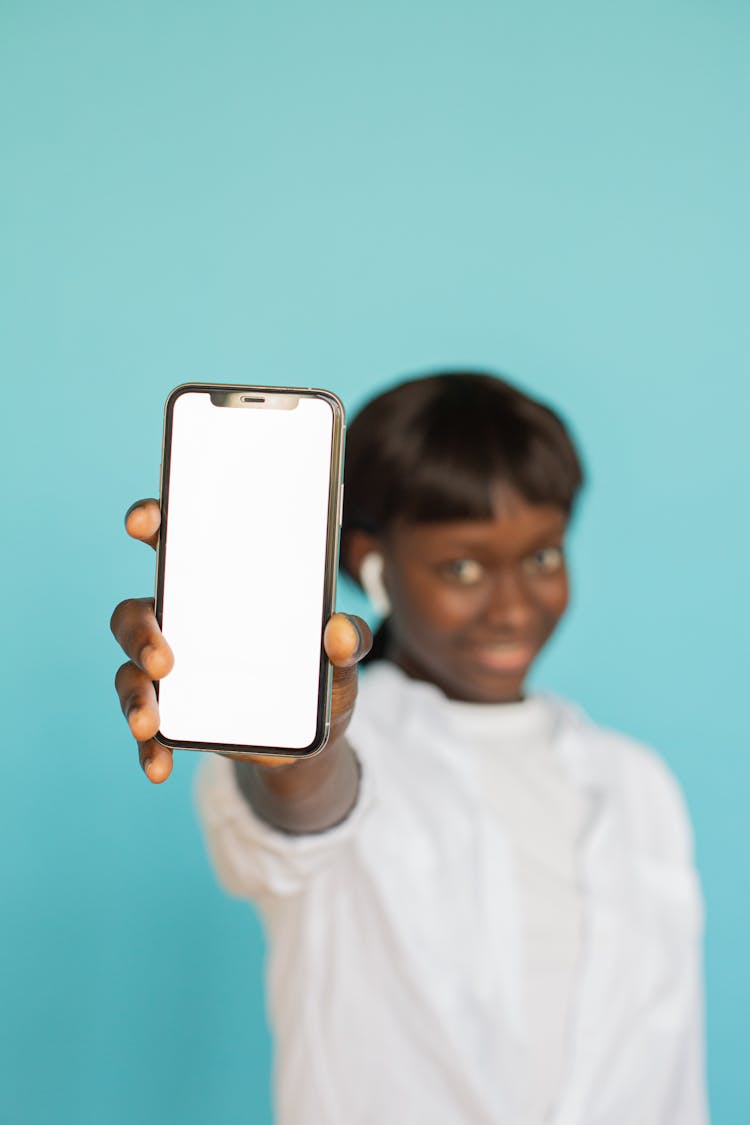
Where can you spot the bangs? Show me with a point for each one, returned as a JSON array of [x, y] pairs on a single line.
[[467, 452], [437, 449]]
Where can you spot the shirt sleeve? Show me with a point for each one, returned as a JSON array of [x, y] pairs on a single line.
[[689, 1103], [665, 833], [251, 858]]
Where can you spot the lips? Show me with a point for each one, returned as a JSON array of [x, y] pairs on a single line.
[[503, 656]]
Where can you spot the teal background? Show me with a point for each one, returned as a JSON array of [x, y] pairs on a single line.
[[339, 194]]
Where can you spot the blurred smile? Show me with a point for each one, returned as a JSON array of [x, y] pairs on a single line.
[[503, 656]]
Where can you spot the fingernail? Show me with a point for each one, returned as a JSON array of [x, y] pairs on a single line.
[[146, 653], [358, 631], [148, 763]]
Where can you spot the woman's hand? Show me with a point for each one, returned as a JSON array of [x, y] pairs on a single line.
[[346, 640]]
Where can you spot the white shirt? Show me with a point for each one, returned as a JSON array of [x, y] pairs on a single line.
[[543, 815], [397, 943]]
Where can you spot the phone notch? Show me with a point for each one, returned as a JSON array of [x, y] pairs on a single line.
[[239, 400]]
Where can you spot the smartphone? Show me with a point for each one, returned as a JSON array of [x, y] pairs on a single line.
[[251, 494]]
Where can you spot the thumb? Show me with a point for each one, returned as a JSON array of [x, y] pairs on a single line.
[[346, 639]]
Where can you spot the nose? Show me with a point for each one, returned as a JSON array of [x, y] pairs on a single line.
[[509, 607]]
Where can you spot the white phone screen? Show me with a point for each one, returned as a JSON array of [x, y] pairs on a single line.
[[244, 559]]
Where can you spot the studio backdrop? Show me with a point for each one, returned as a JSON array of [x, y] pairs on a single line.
[[339, 195]]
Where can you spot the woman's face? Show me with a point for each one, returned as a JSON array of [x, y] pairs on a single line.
[[473, 602]]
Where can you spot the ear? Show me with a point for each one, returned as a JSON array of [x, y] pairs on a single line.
[[354, 546]]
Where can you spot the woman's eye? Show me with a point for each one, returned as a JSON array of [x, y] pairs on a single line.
[[546, 561], [464, 571]]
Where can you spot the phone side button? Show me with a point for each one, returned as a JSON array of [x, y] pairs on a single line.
[[341, 505]]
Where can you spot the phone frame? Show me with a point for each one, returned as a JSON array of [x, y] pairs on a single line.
[[334, 511]]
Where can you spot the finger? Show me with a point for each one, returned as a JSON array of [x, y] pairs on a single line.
[[156, 760], [138, 701], [137, 631], [346, 640], [264, 760], [142, 521]]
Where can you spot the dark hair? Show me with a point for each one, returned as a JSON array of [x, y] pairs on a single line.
[[431, 449]]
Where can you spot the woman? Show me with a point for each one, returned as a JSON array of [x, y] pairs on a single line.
[[481, 907]]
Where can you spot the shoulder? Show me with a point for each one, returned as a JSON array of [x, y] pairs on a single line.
[[640, 781]]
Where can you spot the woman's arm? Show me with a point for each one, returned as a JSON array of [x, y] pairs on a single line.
[[303, 797]]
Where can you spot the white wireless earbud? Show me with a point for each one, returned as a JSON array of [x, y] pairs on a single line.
[[371, 578]]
